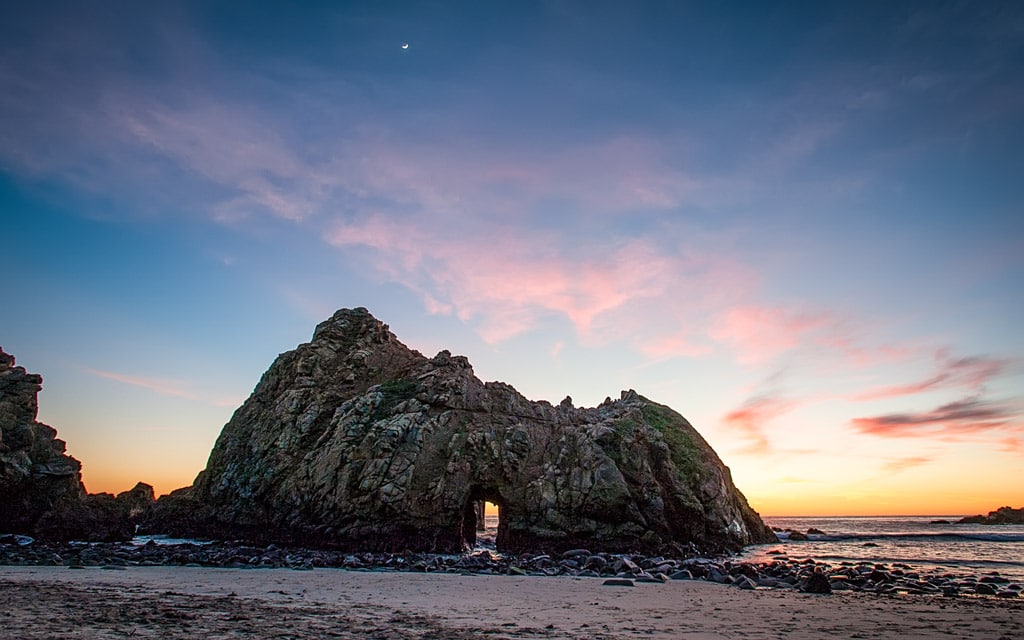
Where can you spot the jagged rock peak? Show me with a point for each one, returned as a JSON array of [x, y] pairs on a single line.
[[354, 440], [353, 324]]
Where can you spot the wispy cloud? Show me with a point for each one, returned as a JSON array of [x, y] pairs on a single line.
[[758, 333], [556, 349], [1012, 445], [895, 465], [504, 281], [174, 388], [233, 147]]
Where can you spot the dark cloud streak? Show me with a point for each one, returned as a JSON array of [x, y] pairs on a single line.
[[960, 418]]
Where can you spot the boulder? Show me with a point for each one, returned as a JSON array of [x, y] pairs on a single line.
[[817, 582], [355, 441]]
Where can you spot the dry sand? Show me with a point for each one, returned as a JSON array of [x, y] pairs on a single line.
[[183, 602]]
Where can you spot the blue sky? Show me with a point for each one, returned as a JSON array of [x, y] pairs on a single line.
[[800, 225]]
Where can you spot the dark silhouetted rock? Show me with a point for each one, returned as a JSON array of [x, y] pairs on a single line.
[[35, 474], [41, 489], [1002, 515], [356, 441]]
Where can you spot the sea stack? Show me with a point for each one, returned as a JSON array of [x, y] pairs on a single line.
[[355, 441]]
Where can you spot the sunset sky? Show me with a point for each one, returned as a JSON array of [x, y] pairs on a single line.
[[801, 225]]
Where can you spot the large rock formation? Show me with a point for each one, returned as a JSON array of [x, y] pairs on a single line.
[[356, 441], [41, 490]]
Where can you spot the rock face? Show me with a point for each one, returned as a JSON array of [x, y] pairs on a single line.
[[41, 491], [356, 441], [35, 474], [1002, 515]]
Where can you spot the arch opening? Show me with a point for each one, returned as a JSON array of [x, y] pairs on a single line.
[[481, 518]]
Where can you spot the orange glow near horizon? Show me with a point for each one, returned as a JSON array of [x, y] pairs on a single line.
[[815, 505], [116, 482]]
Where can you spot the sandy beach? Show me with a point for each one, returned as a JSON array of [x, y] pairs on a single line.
[[185, 602]]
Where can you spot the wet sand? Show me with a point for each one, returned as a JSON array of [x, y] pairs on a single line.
[[184, 602]]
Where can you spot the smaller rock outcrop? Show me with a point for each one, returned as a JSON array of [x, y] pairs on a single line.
[[1002, 515], [99, 517], [41, 490], [36, 476]]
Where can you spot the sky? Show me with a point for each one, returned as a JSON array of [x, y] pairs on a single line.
[[799, 224]]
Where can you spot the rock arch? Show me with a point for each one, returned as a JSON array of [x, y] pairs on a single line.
[[356, 441]]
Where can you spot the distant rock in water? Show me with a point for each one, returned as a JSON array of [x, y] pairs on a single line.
[[356, 441], [1002, 515], [41, 491]]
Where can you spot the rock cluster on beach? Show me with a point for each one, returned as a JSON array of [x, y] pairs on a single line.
[[354, 441], [804, 575], [41, 489]]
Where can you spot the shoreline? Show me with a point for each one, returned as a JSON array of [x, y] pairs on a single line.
[[781, 572], [188, 602]]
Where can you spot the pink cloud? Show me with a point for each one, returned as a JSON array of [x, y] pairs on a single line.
[[758, 334], [751, 418], [895, 465], [1012, 445], [682, 343]]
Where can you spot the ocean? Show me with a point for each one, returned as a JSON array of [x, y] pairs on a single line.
[[958, 549]]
